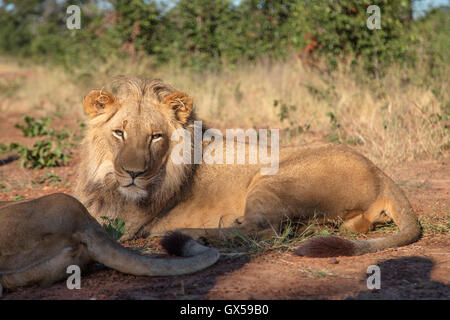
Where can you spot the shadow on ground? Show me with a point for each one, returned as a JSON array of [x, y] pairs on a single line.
[[9, 159], [407, 278], [102, 283]]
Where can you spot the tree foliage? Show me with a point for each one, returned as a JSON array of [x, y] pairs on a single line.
[[208, 33]]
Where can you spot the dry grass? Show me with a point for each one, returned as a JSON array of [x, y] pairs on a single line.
[[437, 222], [389, 120]]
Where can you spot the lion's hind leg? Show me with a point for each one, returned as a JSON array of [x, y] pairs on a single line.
[[48, 271], [365, 221], [355, 221]]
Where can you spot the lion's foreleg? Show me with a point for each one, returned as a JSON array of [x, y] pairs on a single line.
[[238, 230], [211, 233]]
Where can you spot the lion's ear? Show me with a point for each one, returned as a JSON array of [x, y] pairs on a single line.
[[181, 104], [98, 102]]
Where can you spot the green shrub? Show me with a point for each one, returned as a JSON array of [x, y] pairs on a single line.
[[43, 154], [18, 198], [340, 29], [51, 152], [293, 128], [3, 148], [35, 128], [51, 179], [207, 33], [114, 227]]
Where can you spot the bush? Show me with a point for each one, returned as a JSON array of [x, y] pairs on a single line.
[[208, 33], [114, 227], [340, 29], [44, 154], [35, 128]]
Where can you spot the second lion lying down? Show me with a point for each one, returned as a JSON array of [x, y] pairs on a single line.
[[127, 172], [40, 238]]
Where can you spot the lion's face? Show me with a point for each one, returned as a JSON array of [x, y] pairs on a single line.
[[140, 146], [135, 131]]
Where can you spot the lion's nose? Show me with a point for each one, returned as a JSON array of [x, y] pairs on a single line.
[[134, 174]]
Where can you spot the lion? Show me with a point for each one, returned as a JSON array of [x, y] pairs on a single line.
[[40, 238], [128, 171]]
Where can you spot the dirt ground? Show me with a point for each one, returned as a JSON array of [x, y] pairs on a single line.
[[418, 271]]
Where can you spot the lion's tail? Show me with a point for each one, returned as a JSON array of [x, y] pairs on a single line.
[[108, 252], [394, 203]]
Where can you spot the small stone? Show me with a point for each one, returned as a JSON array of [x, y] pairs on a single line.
[[333, 261]]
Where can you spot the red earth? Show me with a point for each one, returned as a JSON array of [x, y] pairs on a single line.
[[417, 271]]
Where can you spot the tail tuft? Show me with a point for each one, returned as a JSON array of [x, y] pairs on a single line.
[[324, 247], [175, 242]]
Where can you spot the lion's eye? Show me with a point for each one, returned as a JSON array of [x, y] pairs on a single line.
[[157, 136], [118, 133]]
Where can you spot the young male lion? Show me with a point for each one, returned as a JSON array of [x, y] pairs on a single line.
[[127, 171]]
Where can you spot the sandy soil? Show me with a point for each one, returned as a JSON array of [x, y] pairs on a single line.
[[418, 271]]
